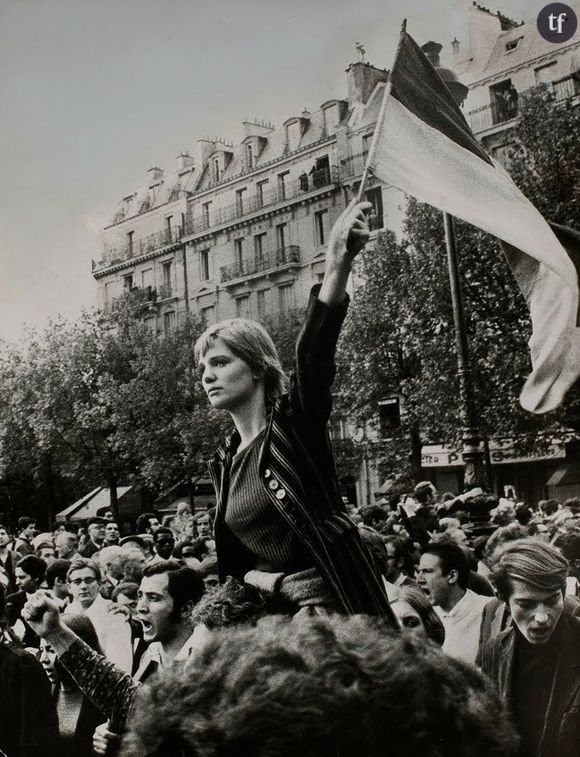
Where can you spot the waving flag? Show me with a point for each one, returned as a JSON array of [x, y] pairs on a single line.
[[423, 146]]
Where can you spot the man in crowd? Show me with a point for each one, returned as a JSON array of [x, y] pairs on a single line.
[[26, 533], [113, 631], [96, 531], [112, 534], [163, 544], [111, 561], [396, 550], [8, 561], [56, 580], [147, 523], [28, 720], [30, 572], [535, 664], [67, 545], [443, 575], [44, 547], [106, 514]]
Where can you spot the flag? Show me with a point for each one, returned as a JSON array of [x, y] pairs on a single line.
[[423, 146]]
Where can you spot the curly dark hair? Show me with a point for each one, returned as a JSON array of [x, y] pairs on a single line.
[[319, 687]]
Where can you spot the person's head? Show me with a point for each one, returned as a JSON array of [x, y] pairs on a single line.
[[147, 523], [443, 570], [26, 527], [319, 687], [192, 552], [164, 542], [4, 536], [112, 533], [548, 506], [236, 356], [539, 529], [111, 560], [125, 594], [230, 603], [29, 573], [203, 524], [105, 513], [96, 530], [208, 570], [167, 595], [67, 544], [396, 550], [569, 544], [84, 580], [133, 543], [183, 510], [373, 516], [425, 493], [56, 580], [133, 565], [46, 550], [500, 537], [57, 674], [416, 614], [530, 577]]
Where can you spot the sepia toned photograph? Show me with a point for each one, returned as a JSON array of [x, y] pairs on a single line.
[[289, 378]]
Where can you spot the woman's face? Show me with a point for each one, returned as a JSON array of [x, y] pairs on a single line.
[[47, 658], [409, 618], [228, 380]]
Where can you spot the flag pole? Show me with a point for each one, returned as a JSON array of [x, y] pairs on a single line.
[[380, 119]]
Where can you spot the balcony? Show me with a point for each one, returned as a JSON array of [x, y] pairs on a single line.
[[271, 261], [165, 291], [151, 243], [497, 113], [135, 299], [354, 165], [263, 200]]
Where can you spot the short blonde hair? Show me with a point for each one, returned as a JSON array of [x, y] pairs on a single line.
[[249, 341]]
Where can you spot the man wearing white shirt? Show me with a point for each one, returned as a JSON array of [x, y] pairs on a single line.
[[443, 574], [113, 630]]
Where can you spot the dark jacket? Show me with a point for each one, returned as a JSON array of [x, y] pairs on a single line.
[[298, 473], [14, 605], [561, 731], [28, 722]]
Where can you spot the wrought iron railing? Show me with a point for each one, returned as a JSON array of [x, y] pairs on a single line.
[[136, 248], [269, 261], [264, 198], [500, 112]]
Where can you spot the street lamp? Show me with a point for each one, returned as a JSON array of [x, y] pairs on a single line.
[[470, 434]]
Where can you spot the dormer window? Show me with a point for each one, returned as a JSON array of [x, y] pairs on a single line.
[[512, 44], [216, 169]]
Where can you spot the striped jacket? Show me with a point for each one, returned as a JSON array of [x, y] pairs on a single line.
[[298, 472]]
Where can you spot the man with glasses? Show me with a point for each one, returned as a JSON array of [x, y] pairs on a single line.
[[113, 630]]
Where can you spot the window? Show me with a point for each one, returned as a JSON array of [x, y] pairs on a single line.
[[281, 234], [216, 169], [504, 101], [375, 196], [204, 265], [512, 44], [240, 201], [130, 242], [259, 247], [261, 302], [366, 144], [260, 192], [168, 220], [150, 323], [205, 214], [168, 321], [320, 222], [242, 306], [389, 416], [207, 315], [249, 156], [166, 268], [545, 74], [285, 298], [239, 254], [128, 282], [282, 185]]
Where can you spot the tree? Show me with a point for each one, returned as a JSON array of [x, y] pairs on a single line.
[[399, 336], [106, 403]]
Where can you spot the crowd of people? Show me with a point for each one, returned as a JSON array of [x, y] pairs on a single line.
[[109, 636], [285, 621]]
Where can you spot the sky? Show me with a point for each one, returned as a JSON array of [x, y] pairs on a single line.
[[95, 93]]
